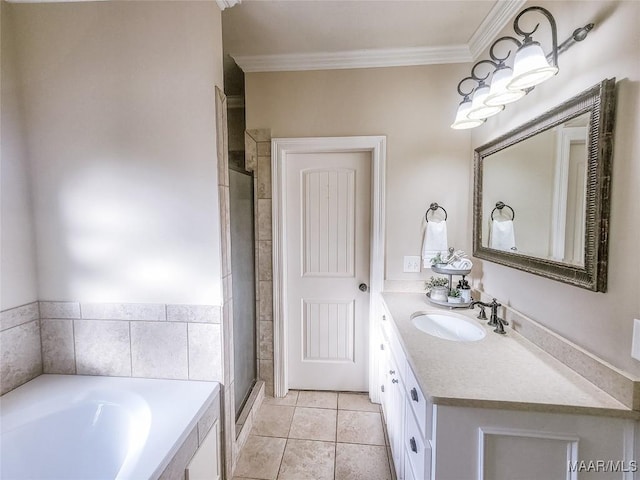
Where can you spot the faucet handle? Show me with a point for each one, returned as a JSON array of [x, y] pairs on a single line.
[[500, 323], [482, 315]]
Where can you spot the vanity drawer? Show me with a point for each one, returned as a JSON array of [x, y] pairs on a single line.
[[417, 401], [416, 449]]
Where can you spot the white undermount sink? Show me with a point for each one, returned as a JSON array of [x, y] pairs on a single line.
[[449, 326]]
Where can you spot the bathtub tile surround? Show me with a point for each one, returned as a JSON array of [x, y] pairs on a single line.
[[58, 352], [193, 313], [176, 467], [159, 350], [59, 310], [124, 311], [117, 339], [21, 353], [102, 347], [19, 316]]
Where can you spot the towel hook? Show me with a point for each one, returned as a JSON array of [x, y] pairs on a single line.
[[433, 207], [500, 206]]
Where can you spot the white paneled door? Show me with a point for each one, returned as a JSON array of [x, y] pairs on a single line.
[[327, 216]]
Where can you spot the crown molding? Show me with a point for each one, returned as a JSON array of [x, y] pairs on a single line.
[[222, 4], [497, 18], [391, 57]]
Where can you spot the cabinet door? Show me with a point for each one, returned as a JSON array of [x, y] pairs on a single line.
[[417, 449], [205, 464], [408, 472]]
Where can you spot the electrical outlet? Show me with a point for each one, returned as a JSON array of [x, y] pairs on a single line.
[[635, 343], [411, 263]]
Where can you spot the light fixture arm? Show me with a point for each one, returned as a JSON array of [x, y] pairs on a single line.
[[463, 94], [481, 80], [527, 35], [501, 60], [578, 35]]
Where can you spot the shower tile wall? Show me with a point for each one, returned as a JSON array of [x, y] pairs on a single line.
[[258, 160], [140, 340]]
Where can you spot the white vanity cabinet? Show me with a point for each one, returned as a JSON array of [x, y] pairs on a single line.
[[392, 367], [453, 438], [404, 407]]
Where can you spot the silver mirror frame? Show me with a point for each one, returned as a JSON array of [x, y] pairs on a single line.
[[599, 101]]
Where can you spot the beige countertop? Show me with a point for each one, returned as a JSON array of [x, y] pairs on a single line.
[[499, 371]]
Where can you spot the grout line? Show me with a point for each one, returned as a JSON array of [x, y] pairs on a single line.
[[189, 356], [282, 458], [73, 339], [130, 350], [335, 454], [39, 320]]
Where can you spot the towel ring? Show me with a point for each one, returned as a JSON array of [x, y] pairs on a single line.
[[500, 206], [433, 207]]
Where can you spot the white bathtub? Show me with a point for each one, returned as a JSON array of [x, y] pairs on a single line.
[[84, 427]]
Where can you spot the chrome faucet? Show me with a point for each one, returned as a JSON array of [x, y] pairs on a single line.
[[494, 320]]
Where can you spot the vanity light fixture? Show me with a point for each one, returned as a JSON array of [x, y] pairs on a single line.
[[462, 120], [479, 108], [509, 84]]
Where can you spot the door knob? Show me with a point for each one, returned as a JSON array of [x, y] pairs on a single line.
[[363, 287]]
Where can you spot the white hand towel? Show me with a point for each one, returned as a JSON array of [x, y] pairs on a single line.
[[435, 240], [462, 264], [502, 236]]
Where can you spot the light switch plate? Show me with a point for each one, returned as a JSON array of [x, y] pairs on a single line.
[[411, 263], [635, 344]]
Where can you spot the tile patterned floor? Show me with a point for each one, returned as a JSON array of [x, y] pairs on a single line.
[[316, 436]]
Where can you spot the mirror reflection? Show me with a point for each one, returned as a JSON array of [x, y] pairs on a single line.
[[534, 194], [547, 186]]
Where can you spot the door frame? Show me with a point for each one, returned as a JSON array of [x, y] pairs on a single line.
[[280, 149]]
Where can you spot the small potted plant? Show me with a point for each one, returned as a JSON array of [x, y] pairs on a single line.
[[454, 296], [438, 260], [438, 288], [465, 290]]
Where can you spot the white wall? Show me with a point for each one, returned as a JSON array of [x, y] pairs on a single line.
[[119, 110], [413, 106], [18, 285], [602, 323]]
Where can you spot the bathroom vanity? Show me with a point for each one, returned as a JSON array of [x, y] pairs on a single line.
[[496, 408]]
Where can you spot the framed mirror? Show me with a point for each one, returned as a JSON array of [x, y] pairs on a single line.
[[541, 192]]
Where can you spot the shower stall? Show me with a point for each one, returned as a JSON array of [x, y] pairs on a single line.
[[241, 210]]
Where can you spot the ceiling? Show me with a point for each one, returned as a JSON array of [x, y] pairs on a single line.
[[286, 35]]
